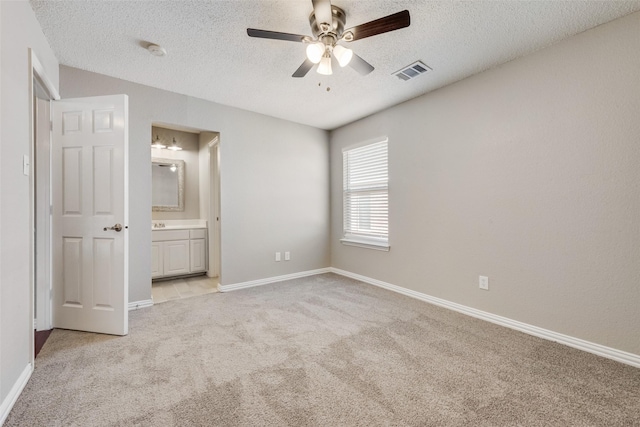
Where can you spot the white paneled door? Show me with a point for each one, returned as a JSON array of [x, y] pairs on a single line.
[[90, 214]]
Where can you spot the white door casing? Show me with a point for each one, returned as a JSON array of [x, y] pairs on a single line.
[[90, 196], [214, 230], [42, 187]]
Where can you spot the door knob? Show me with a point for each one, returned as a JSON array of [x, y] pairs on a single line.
[[117, 227]]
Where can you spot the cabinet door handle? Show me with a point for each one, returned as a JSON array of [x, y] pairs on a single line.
[[117, 227]]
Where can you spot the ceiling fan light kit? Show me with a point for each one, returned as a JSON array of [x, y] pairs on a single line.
[[315, 51], [327, 25], [324, 67], [343, 55]]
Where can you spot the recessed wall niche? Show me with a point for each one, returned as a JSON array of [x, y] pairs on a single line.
[[189, 154]]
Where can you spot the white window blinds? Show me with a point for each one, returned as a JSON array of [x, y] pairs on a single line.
[[366, 195]]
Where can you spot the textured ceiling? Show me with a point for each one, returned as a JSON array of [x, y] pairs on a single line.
[[210, 55]]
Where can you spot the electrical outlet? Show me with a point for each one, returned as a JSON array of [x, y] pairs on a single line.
[[287, 256], [277, 256], [483, 282]]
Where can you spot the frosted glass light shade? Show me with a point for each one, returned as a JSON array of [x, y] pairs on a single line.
[[157, 143], [343, 55], [315, 52], [174, 146], [325, 66]]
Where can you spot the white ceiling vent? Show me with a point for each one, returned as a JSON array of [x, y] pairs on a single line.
[[413, 70]]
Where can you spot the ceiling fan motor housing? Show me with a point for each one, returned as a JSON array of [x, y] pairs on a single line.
[[339, 18]]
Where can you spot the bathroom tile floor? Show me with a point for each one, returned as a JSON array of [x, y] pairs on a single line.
[[166, 290]]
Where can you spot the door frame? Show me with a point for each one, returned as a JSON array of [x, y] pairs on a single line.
[[214, 209], [36, 71], [209, 162]]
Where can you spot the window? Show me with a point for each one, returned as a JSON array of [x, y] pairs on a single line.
[[366, 195]]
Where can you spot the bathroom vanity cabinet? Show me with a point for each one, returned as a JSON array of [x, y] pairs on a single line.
[[178, 252]]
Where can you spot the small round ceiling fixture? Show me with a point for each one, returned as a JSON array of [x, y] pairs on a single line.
[[156, 50]]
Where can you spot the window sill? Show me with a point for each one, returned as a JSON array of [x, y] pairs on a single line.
[[378, 246]]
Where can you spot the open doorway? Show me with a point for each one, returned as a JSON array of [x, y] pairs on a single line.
[[185, 212], [42, 218], [65, 292], [41, 93]]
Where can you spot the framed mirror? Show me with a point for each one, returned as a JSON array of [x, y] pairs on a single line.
[[167, 181]]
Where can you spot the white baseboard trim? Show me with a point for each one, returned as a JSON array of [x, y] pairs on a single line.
[[15, 391], [580, 344], [260, 282], [135, 305]]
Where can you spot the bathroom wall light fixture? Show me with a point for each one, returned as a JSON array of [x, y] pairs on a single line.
[[174, 146], [157, 143]]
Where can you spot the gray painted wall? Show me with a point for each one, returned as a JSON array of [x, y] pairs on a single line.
[[274, 181], [527, 173], [19, 31]]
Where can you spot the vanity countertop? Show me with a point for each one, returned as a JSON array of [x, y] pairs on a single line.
[[178, 224], [177, 227]]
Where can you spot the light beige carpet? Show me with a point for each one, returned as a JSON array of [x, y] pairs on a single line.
[[320, 351]]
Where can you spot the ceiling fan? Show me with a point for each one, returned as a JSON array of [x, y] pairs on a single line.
[[327, 25]]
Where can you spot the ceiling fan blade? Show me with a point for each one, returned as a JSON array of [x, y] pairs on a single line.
[[379, 26], [303, 69], [322, 10], [264, 34], [360, 65]]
